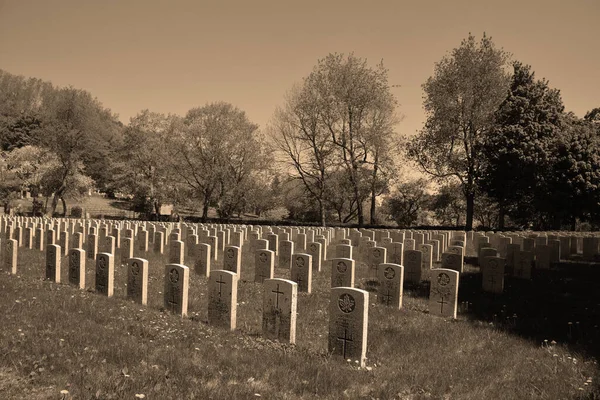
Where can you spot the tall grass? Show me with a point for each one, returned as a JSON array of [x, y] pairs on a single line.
[[55, 337]]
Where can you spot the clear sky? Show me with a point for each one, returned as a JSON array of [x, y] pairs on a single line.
[[170, 56]]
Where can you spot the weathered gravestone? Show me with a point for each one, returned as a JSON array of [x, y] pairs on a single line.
[[77, 268], [159, 242], [443, 293], [53, 262], [342, 272], [39, 239], [395, 253], [286, 249], [523, 261], [391, 279], [126, 250], [412, 266], [142, 238], [222, 299], [314, 249], [176, 252], [427, 258], [92, 246], [493, 274], [232, 259], [105, 274], [280, 299], [264, 265], [343, 251], [137, 280], [202, 264], [452, 261], [9, 254], [348, 324], [177, 282], [542, 256], [375, 256], [301, 271], [409, 244], [590, 248]]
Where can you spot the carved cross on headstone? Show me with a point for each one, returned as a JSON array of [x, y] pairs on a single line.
[[221, 283], [277, 293], [345, 340], [441, 303]]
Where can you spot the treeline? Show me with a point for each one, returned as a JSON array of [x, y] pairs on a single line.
[[498, 149]]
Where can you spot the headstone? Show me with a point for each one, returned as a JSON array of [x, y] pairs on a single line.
[[53, 262], [542, 256], [39, 239], [395, 253], [280, 299], [232, 259], [176, 252], [126, 250], [222, 299], [137, 280], [348, 324], [202, 264], [427, 258], [375, 257], [590, 248], [391, 278], [314, 249], [264, 264], [493, 274], [523, 261], [177, 282], [286, 249], [342, 272], [443, 292], [412, 266], [77, 268], [92, 246], [452, 261], [142, 238], [10, 256], [301, 271], [105, 274], [409, 244], [159, 242]]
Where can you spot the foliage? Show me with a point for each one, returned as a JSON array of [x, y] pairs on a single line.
[[460, 101], [519, 152], [448, 205], [407, 203], [342, 117], [218, 155]]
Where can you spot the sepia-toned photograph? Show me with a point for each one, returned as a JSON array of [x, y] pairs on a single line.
[[329, 200]]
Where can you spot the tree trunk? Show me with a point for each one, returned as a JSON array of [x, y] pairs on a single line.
[[54, 204], [64, 204], [373, 209], [322, 212], [205, 211], [501, 214], [470, 197]]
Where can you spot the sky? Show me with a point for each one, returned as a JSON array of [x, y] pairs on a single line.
[[170, 56]]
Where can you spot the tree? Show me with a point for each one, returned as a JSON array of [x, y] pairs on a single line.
[[520, 148], [448, 205], [218, 153], [341, 117], [460, 102], [305, 144], [407, 203], [146, 171]]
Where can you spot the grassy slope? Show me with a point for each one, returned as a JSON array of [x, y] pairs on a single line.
[[55, 337]]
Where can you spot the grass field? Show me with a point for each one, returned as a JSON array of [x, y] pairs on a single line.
[[55, 338]]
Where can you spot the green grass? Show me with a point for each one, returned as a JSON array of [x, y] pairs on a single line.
[[55, 337]]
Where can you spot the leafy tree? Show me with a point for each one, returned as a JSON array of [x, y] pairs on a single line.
[[519, 151], [461, 99], [593, 115], [448, 205], [218, 153], [342, 116], [407, 203], [146, 172]]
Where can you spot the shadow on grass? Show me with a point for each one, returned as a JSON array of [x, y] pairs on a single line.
[[561, 304]]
